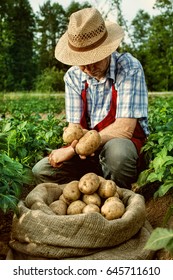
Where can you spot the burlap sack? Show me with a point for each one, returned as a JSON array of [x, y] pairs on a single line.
[[37, 233]]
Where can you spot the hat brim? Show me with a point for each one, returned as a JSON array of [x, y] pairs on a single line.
[[66, 55]]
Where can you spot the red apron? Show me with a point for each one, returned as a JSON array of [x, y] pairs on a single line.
[[138, 136]]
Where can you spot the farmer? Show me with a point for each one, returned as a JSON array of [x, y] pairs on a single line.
[[105, 91]]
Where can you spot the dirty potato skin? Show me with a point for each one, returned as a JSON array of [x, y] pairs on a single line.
[[113, 198], [107, 188], [89, 183], [72, 132], [59, 207], [89, 143], [76, 207], [64, 199], [92, 199], [91, 208], [112, 210], [71, 191]]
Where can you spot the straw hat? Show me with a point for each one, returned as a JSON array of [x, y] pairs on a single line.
[[88, 38]]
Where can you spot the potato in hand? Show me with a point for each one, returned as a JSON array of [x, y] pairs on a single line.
[[89, 143], [72, 132]]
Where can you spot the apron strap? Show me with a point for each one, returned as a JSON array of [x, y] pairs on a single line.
[[110, 118], [83, 120]]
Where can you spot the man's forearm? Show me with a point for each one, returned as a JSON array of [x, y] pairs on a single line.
[[121, 128]]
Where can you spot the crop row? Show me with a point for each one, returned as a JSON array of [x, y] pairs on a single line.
[[29, 130]]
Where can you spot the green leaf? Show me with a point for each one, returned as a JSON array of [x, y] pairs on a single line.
[[163, 189], [22, 125], [168, 161], [22, 152], [162, 159], [7, 127], [143, 177], [48, 135], [16, 189], [8, 202], [170, 144], [3, 141], [159, 239], [152, 177], [168, 215]]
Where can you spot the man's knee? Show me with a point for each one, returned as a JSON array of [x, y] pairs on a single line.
[[41, 170], [119, 151], [116, 157], [119, 160], [39, 166]]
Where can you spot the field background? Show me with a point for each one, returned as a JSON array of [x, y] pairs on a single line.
[[32, 125]]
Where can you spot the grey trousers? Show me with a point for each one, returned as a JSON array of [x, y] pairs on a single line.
[[117, 160]]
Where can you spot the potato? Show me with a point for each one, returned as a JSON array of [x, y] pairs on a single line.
[[113, 198], [89, 143], [64, 199], [59, 207], [92, 199], [71, 191], [112, 210], [102, 180], [85, 131], [107, 189], [72, 132], [75, 207], [89, 183], [91, 208]]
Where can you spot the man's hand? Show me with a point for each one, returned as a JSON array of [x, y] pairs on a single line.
[[84, 157], [57, 157]]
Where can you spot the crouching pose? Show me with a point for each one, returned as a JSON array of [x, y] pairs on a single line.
[[104, 91]]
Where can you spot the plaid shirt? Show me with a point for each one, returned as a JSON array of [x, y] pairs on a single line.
[[127, 75]]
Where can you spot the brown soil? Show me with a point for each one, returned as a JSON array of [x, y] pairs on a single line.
[[155, 211]]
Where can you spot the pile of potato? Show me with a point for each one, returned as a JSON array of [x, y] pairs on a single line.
[[92, 193]]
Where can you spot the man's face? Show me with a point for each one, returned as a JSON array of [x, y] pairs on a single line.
[[97, 69]]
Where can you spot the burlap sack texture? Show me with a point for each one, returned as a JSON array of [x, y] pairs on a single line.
[[38, 233]]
